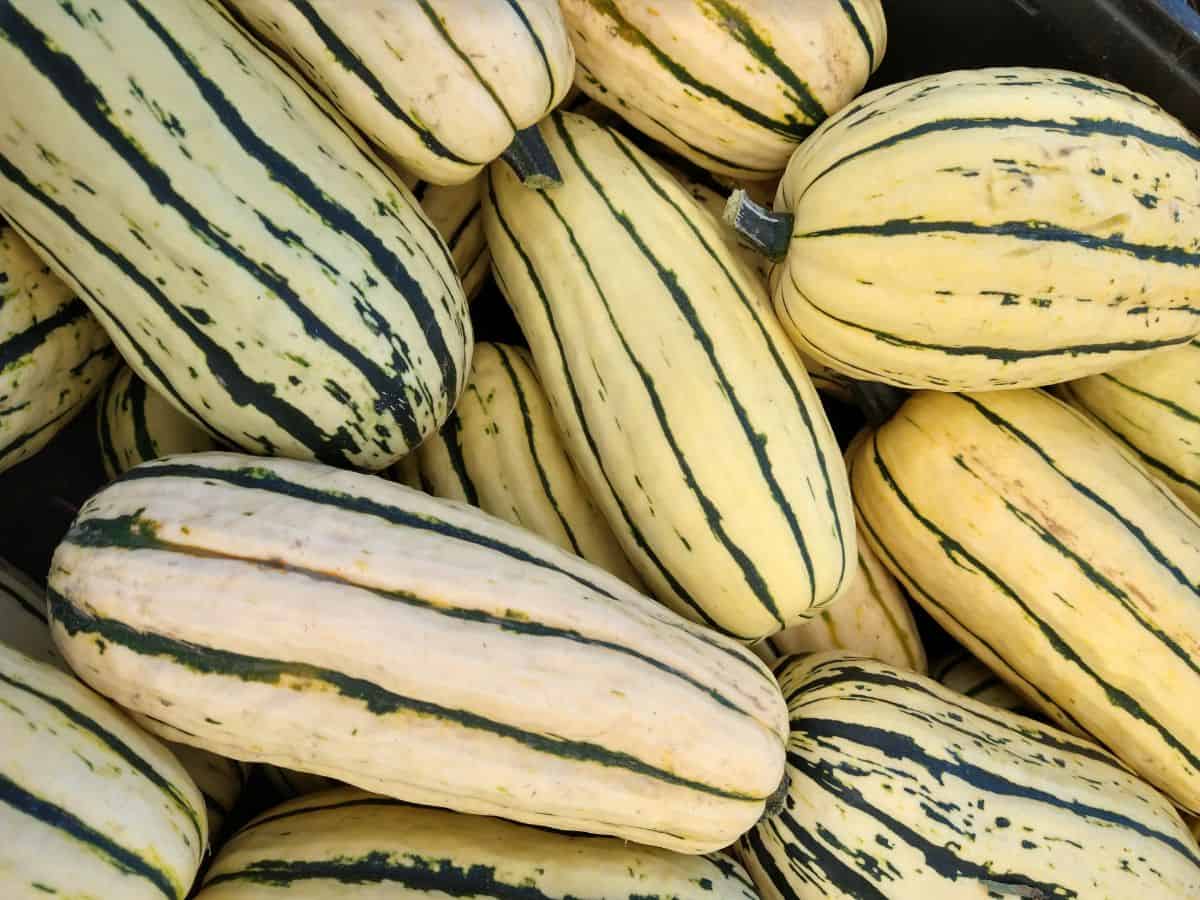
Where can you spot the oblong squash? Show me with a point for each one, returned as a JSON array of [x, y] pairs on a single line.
[[500, 451], [1152, 406], [1050, 553], [252, 264], [990, 229], [497, 68], [347, 844], [680, 400], [54, 355], [573, 702], [90, 805], [964, 674], [25, 627], [901, 788], [135, 423], [872, 619], [733, 87], [457, 213]]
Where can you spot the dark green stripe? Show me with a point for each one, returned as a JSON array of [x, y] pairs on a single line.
[[377, 700], [440, 27], [527, 421], [773, 350], [932, 602], [60, 819], [104, 423], [517, 11], [345, 57], [865, 36], [1042, 232], [754, 846], [1157, 465], [1078, 127], [640, 539], [468, 220], [23, 343], [28, 437], [625, 30], [132, 533], [1092, 574], [956, 553], [344, 804], [733, 19], [136, 397], [127, 754], [1174, 408], [451, 436]]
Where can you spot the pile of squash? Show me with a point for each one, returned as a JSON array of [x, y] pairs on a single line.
[[606, 608]]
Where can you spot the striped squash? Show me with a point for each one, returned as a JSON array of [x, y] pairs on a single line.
[[1153, 407], [1194, 824], [872, 618], [964, 674], [681, 402], [443, 87], [289, 784], [252, 264], [135, 423], [500, 451], [993, 228], [347, 844], [90, 805], [24, 627], [733, 87], [457, 214], [53, 353], [528, 683], [1042, 546], [901, 788]]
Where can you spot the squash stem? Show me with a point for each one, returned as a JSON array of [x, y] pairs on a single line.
[[759, 228], [530, 158], [777, 802], [877, 402]]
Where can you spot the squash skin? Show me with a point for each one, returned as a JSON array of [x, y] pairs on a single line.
[[1051, 554], [498, 67], [500, 451], [733, 87], [207, 253], [991, 229], [1153, 407], [347, 844], [901, 788], [329, 571], [620, 281], [54, 355]]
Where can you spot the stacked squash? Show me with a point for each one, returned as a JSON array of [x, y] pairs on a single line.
[[600, 606]]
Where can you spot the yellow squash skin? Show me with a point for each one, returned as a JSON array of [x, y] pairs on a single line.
[[681, 402], [350, 845], [498, 67], [872, 618], [902, 789], [1153, 406], [1050, 553], [90, 805], [991, 229], [411, 646], [249, 259], [135, 423], [501, 451], [731, 86], [54, 355]]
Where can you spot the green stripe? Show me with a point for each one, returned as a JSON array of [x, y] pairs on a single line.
[[17, 444], [957, 554], [515, 6], [851, 12], [23, 343], [378, 701], [440, 27], [104, 421], [136, 397], [527, 421], [1029, 230], [132, 533], [1174, 408], [64, 821], [126, 753], [451, 436], [906, 635], [625, 30], [357, 802], [345, 57], [781, 369]]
